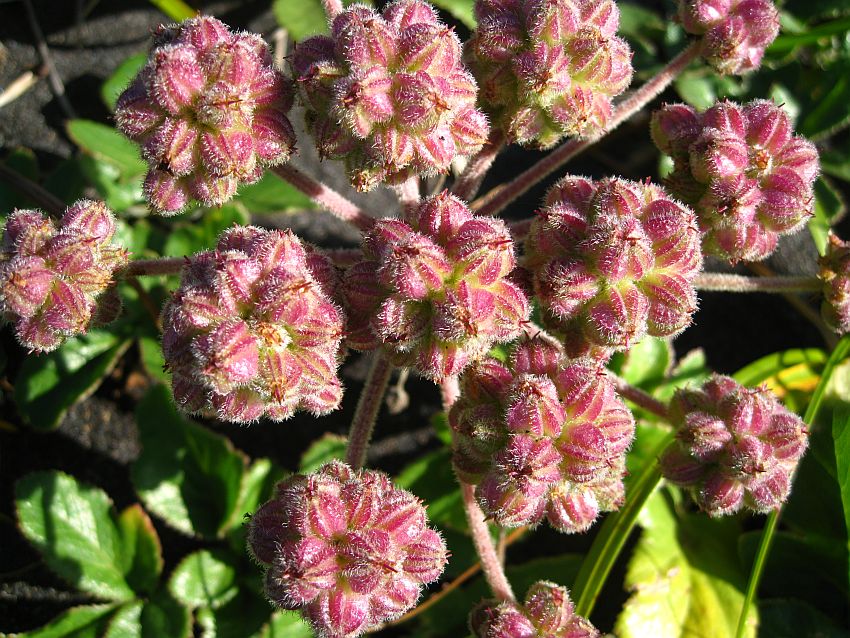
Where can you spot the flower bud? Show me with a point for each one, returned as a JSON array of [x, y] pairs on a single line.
[[612, 261], [208, 112], [835, 275], [735, 447], [52, 279], [252, 330], [548, 69], [387, 93], [541, 436], [434, 291], [547, 612], [747, 176], [346, 547]]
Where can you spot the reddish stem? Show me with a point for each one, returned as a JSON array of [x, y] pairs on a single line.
[[469, 182], [367, 410], [493, 202], [325, 197], [724, 282], [163, 266], [640, 398]]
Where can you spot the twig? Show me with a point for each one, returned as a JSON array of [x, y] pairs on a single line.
[[325, 197], [368, 406], [724, 282], [408, 193], [491, 566], [51, 204], [17, 87], [493, 202], [148, 267], [639, 397], [53, 78]]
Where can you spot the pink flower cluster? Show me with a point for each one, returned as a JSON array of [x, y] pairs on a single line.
[[611, 261], [53, 280], [209, 110], [388, 93], [735, 447], [347, 548], [547, 612], [541, 436], [252, 330], [748, 177], [835, 274], [549, 69], [434, 291], [735, 33]]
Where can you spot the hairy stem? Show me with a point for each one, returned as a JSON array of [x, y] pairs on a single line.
[[332, 9], [344, 257], [51, 204], [493, 202], [469, 182], [367, 410], [640, 398], [163, 266], [490, 563], [723, 282], [325, 197], [408, 194]]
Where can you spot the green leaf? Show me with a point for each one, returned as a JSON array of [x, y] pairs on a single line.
[[204, 579], [23, 161], [432, 479], [796, 364], [286, 624], [326, 448], [119, 193], [836, 163], [829, 207], [462, 10], [789, 41], [48, 385], [163, 616], [691, 371], [76, 530], [187, 238], [127, 621], [142, 550], [841, 437], [272, 195], [788, 618], [153, 360], [684, 577], [830, 97], [108, 145], [647, 362], [120, 79], [77, 622], [257, 487], [175, 9], [302, 19], [187, 475]]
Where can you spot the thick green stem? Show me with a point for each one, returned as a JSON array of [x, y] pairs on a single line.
[[367, 410]]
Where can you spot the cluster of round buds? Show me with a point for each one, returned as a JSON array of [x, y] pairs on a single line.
[[611, 261], [388, 93], [541, 436], [252, 331], [209, 110], [835, 274], [51, 279], [347, 548], [748, 177], [434, 291], [547, 612], [549, 69], [734, 33], [735, 447]]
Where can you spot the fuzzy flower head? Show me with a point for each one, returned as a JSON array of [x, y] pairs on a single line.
[[548, 69], [252, 330], [734, 33], [541, 436], [434, 291], [387, 93], [748, 177], [735, 447], [55, 281], [347, 548], [209, 110], [547, 612], [611, 261], [835, 275]]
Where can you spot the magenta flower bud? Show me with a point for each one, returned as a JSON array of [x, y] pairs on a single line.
[[346, 547], [209, 111], [549, 70], [747, 176], [734, 33], [541, 436], [735, 447], [53, 280], [434, 291], [835, 275], [547, 612], [612, 261], [252, 330], [388, 94]]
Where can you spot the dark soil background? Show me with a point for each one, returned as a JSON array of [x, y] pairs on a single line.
[[98, 438]]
